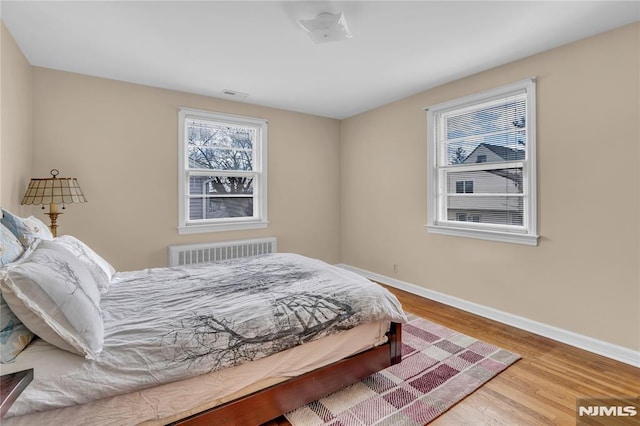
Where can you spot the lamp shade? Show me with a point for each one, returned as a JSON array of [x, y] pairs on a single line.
[[53, 190]]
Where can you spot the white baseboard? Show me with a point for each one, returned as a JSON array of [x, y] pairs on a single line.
[[609, 350]]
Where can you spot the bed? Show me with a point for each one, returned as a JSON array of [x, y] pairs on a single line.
[[235, 342]]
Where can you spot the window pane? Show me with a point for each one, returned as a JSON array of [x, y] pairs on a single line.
[[220, 185], [488, 149], [468, 186], [201, 157], [498, 181], [216, 208], [219, 146], [476, 204], [488, 118], [494, 209]]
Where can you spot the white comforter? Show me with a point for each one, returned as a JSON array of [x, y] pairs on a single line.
[[167, 324]]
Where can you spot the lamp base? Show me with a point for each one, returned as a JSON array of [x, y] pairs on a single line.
[[54, 225]]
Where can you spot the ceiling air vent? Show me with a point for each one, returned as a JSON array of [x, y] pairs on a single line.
[[235, 93]]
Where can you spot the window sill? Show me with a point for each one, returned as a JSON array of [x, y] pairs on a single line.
[[220, 227], [504, 237]]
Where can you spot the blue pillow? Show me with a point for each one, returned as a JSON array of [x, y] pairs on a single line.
[[26, 229], [10, 247], [14, 335]]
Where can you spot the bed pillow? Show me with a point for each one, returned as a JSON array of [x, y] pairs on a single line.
[[14, 336], [10, 247], [26, 229], [100, 269], [55, 296]]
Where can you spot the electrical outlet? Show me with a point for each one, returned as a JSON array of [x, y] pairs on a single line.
[[395, 268]]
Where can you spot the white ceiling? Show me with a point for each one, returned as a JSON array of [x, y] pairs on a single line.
[[398, 47]]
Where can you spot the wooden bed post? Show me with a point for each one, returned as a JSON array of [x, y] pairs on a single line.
[[395, 342]]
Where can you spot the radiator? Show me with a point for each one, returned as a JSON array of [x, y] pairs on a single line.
[[187, 254]]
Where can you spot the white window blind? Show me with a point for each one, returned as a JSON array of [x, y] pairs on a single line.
[[482, 165]]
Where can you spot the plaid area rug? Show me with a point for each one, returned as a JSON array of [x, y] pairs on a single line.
[[439, 368]]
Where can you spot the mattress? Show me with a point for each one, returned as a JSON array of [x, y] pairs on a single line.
[[171, 401]]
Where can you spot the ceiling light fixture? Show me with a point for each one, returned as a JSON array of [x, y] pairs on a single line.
[[326, 27]]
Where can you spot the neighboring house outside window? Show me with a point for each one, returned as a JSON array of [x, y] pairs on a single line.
[[481, 165], [222, 172]]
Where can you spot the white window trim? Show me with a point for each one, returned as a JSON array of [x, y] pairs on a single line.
[[494, 232], [227, 224]]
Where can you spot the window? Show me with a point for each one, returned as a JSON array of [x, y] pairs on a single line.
[[481, 165], [464, 187], [222, 172], [464, 217]]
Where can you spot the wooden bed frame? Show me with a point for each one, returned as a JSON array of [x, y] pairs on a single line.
[[269, 403]]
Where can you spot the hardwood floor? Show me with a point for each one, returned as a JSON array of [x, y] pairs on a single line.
[[540, 389]]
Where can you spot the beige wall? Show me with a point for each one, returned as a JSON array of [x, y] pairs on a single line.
[[15, 123], [120, 141], [584, 275]]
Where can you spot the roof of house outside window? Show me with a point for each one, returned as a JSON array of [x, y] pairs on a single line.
[[506, 153]]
